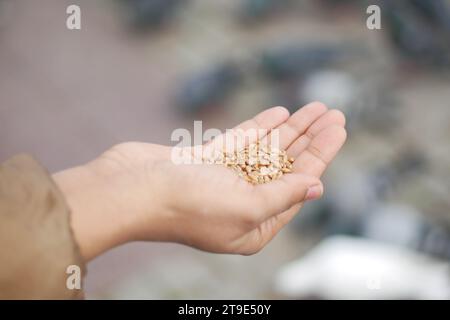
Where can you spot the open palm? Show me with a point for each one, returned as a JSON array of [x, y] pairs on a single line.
[[209, 207]]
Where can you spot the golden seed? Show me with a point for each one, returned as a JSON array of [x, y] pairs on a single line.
[[256, 163]]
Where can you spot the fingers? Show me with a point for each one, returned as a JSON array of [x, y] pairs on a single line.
[[279, 195], [261, 125], [313, 158], [298, 123], [267, 119], [331, 117], [313, 152], [321, 151]]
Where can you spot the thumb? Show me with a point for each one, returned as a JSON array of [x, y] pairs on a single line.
[[279, 195]]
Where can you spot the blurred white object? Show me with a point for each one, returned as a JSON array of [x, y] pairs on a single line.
[[342, 267], [334, 88]]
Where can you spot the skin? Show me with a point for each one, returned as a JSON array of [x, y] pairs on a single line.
[[134, 192]]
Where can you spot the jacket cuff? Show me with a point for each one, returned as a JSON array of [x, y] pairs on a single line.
[[39, 255]]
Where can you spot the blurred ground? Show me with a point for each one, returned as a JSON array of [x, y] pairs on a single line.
[[66, 96]]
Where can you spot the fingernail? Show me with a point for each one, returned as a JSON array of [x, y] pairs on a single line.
[[314, 192]]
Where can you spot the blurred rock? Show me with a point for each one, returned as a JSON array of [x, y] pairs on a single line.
[[207, 89], [436, 11], [415, 38], [287, 62], [395, 224], [436, 241], [252, 11], [146, 15]]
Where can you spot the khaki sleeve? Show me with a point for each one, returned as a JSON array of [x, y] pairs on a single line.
[[36, 241]]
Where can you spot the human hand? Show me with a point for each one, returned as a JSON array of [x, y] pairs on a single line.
[[140, 194]]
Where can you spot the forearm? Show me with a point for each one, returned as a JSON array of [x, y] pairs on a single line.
[[96, 217]]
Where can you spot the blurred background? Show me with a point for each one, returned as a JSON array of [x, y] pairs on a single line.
[[138, 69]]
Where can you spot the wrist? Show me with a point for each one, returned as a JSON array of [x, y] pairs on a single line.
[[119, 197], [96, 218], [138, 174]]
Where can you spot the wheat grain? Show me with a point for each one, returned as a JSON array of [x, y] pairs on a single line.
[[256, 163]]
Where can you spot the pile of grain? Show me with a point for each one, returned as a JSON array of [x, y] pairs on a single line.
[[256, 163]]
